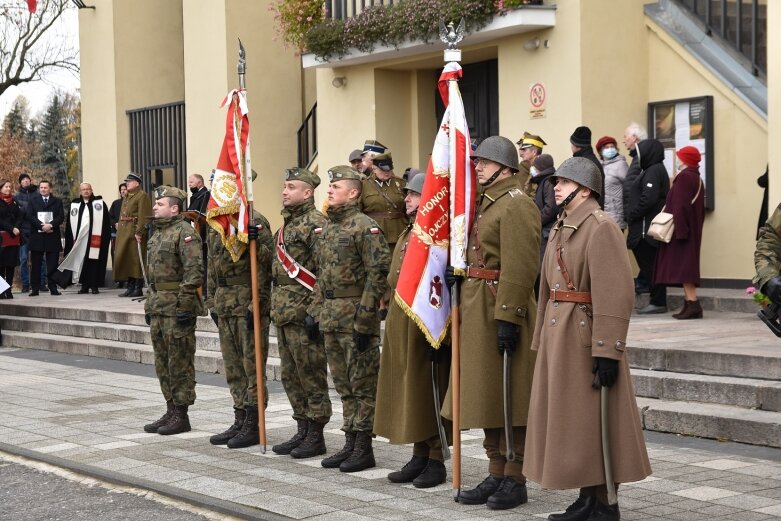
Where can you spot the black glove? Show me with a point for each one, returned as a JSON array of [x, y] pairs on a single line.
[[184, 318], [215, 317], [508, 336], [148, 318], [382, 313], [312, 329], [772, 289], [252, 232], [605, 372], [362, 341], [450, 277], [250, 321]]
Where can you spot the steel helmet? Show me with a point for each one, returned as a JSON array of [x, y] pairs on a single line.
[[583, 171], [415, 184], [498, 149]]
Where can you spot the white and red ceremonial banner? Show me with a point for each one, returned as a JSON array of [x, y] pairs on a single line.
[[444, 218], [227, 211]]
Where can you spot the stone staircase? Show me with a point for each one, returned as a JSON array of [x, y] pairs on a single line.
[[717, 378]]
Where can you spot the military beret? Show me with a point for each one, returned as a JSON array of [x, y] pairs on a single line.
[[384, 162], [133, 177], [372, 145], [342, 172], [302, 174], [170, 191]]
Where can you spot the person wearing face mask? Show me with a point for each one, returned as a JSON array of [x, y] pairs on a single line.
[[586, 300], [615, 168]]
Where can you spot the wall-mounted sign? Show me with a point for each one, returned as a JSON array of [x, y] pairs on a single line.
[[537, 97], [682, 122]]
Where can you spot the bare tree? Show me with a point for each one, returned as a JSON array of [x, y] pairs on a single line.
[[29, 45]]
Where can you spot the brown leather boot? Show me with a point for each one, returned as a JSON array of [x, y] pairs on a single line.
[[223, 437], [333, 461], [313, 444], [683, 309], [152, 427], [362, 456], [295, 441], [178, 423], [692, 311]]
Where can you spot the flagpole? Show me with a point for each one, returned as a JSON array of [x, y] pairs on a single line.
[[253, 257]]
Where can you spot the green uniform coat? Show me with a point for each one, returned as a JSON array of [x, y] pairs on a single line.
[[508, 227], [138, 207], [563, 441], [767, 257], [379, 199]]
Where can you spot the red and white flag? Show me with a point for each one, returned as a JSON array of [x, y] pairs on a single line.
[[444, 218], [227, 211]]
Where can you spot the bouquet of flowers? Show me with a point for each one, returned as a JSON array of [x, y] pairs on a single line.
[[759, 297]]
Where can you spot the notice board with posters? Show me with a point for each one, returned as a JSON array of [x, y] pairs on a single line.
[[681, 122]]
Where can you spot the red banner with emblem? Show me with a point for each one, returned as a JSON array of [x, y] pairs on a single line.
[[441, 230]]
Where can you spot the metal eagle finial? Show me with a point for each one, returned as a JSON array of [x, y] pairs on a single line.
[[241, 67], [450, 35]]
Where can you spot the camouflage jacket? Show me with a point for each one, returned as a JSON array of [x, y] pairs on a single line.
[[767, 257], [354, 260], [303, 230], [174, 259], [227, 286]]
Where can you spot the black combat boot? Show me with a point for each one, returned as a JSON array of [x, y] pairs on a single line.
[[409, 471], [480, 494], [577, 511], [510, 494], [295, 441], [362, 456], [178, 423], [152, 427], [603, 512], [249, 434], [313, 444], [129, 289], [223, 437], [434, 474], [138, 288], [333, 461]]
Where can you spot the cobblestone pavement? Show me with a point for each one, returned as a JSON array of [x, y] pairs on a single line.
[[90, 420]]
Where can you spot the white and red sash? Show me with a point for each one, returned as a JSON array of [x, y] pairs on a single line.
[[293, 269], [96, 225]]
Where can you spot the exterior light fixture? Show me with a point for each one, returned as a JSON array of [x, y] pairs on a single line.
[[339, 82]]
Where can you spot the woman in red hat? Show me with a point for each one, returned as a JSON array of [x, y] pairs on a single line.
[[678, 262]]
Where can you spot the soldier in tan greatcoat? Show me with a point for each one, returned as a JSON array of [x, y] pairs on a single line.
[[405, 402], [586, 298], [498, 312], [135, 214]]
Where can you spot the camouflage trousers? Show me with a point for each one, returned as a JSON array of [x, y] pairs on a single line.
[[237, 344], [304, 374], [355, 378], [174, 349]]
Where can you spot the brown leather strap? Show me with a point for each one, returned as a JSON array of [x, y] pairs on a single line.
[[581, 297], [564, 272], [482, 273], [124, 218], [385, 215]]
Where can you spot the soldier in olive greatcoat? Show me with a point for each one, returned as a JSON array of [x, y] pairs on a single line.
[[135, 214]]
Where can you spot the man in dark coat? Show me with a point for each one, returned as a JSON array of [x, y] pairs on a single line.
[[580, 143], [87, 240], [114, 212], [22, 198], [45, 215], [199, 201], [646, 199], [634, 134]]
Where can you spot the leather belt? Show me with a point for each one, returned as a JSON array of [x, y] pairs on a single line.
[[482, 273], [386, 215], [342, 293], [581, 297], [165, 286], [224, 282]]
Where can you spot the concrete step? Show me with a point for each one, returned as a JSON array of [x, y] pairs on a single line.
[[763, 364], [205, 361], [121, 332], [748, 393], [722, 422], [723, 300]]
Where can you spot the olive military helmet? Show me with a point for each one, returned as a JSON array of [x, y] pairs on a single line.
[[583, 171], [498, 149], [415, 184]]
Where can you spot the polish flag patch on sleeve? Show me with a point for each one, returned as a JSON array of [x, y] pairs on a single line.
[[374, 230], [189, 238], [318, 231]]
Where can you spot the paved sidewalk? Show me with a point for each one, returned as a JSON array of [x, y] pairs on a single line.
[[90, 420]]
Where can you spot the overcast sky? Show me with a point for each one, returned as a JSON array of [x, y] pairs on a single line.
[[38, 93]]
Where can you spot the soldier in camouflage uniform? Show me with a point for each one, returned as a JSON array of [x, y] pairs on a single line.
[[354, 260], [172, 306], [229, 299], [304, 364], [767, 258]]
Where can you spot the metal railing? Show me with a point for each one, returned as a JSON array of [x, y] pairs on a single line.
[[741, 24], [344, 9], [307, 138]]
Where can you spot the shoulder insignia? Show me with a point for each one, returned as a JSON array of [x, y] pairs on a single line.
[[318, 231], [188, 238], [515, 191], [374, 230]]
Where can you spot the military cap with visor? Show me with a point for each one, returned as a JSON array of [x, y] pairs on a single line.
[[582, 171], [131, 176], [530, 140], [343, 172], [498, 149], [302, 174], [384, 162], [170, 191], [372, 145]]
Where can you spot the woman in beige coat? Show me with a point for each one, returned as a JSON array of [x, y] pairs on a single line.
[[585, 303]]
